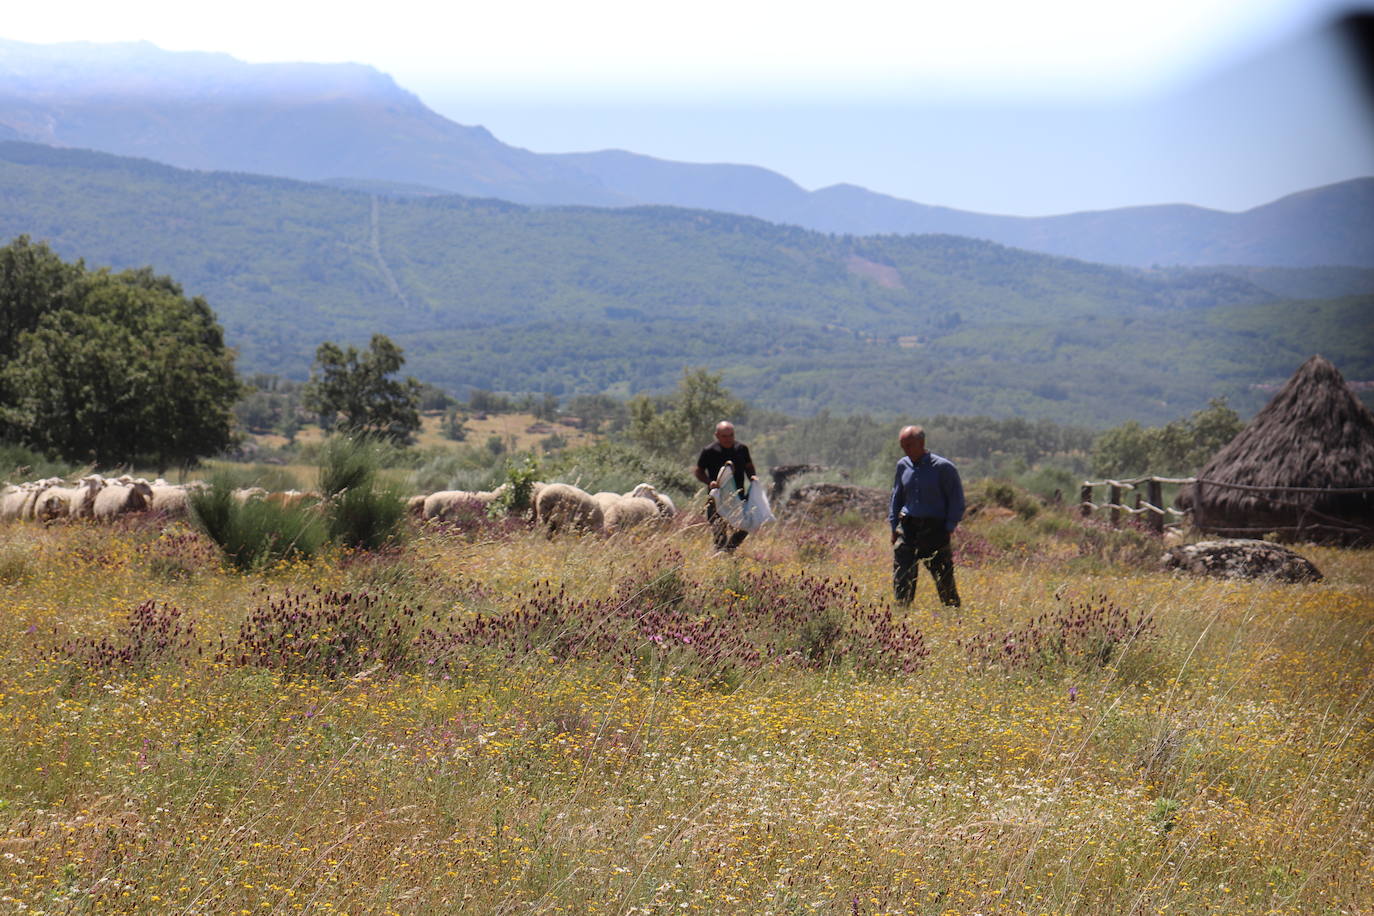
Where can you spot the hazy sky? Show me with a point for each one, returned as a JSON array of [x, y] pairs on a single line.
[[990, 105]]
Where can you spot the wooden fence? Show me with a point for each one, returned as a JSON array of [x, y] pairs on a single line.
[[1152, 505]]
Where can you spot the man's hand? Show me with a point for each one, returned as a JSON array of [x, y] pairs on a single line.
[[894, 535]]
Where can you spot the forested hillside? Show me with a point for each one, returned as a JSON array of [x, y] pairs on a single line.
[[494, 295]]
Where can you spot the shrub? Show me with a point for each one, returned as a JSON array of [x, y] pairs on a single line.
[[152, 633], [1009, 496], [658, 621], [328, 633], [1087, 633], [19, 463], [359, 512], [255, 533], [518, 496]]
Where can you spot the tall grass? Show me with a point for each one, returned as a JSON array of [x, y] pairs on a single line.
[[255, 533], [482, 725], [360, 511]]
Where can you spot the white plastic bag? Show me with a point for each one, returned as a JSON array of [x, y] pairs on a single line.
[[748, 514]]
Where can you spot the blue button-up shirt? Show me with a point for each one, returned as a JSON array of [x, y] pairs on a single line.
[[929, 488]]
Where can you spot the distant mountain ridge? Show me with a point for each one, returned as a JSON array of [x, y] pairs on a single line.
[[491, 294], [350, 122]]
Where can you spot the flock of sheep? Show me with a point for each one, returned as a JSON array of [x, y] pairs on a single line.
[[93, 496], [556, 505]]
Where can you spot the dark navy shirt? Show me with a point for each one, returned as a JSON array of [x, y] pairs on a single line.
[[928, 489]]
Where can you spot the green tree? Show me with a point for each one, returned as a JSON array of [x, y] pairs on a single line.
[[352, 391], [118, 369], [1182, 446], [687, 419]]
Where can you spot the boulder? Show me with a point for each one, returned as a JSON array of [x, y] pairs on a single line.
[[820, 501], [1237, 558]]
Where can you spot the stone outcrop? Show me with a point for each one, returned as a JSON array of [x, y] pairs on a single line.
[[1241, 559], [824, 501]]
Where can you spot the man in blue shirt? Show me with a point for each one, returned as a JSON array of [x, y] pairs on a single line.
[[927, 504]]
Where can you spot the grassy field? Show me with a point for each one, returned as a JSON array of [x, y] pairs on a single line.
[[486, 721]]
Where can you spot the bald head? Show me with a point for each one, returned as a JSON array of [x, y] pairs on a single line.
[[725, 433], [912, 439]]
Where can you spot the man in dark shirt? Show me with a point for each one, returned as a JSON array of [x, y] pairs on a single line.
[[927, 504], [712, 459]]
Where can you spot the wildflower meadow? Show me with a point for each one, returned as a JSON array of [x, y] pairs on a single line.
[[481, 719]]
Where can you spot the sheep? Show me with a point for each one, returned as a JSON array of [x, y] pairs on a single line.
[[17, 502], [628, 511], [292, 498], [174, 500], [664, 505], [243, 494], [415, 505], [605, 500], [562, 505], [446, 504], [118, 497], [68, 502]]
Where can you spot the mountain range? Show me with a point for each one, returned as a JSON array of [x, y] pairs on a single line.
[[353, 126], [484, 293]]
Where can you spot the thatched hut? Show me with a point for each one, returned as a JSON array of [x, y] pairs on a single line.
[[1303, 468]]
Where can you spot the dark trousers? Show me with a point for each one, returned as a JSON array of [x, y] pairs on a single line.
[[725, 537], [923, 540]]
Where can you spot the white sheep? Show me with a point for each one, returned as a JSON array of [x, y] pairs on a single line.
[[68, 502], [174, 500], [561, 505], [447, 504], [118, 497], [663, 503], [244, 494], [17, 501], [605, 500], [628, 511]]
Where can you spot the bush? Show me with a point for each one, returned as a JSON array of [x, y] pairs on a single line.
[[360, 512], [327, 633], [1007, 495], [367, 518], [255, 533], [19, 463], [1090, 633], [151, 634], [618, 467]]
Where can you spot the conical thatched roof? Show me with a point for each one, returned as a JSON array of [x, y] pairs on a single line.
[[1315, 435]]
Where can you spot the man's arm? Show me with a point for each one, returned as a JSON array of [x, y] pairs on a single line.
[[894, 505], [749, 463], [954, 497]]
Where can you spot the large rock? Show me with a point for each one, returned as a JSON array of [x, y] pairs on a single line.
[[1241, 559], [822, 501]]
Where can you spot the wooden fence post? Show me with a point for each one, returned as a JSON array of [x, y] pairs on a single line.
[[1085, 498], [1115, 500], [1156, 498]]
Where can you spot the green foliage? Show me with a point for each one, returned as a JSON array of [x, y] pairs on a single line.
[[1180, 447], [580, 301], [254, 534], [111, 368], [1007, 495], [685, 422], [360, 512], [517, 497], [351, 391], [366, 518], [617, 466], [19, 463]]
